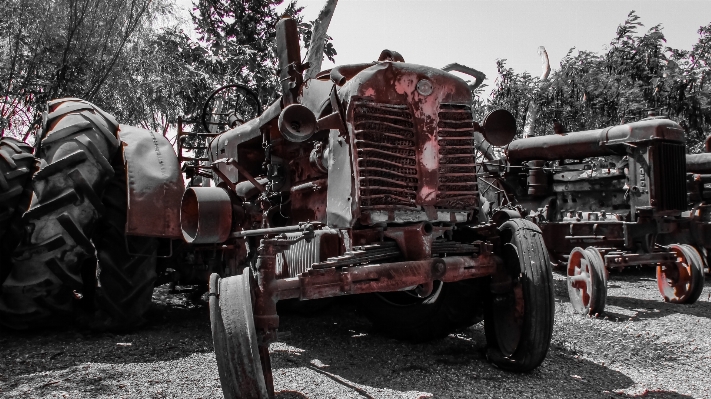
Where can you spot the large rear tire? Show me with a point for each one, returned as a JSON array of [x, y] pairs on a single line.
[[17, 164], [46, 277], [240, 360], [126, 269], [519, 321], [405, 316]]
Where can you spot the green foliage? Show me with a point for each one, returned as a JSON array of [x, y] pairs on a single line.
[[124, 56], [306, 29], [163, 76], [64, 48], [240, 38], [637, 74], [513, 92]]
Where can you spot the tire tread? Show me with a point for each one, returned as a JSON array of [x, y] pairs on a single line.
[[47, 266]]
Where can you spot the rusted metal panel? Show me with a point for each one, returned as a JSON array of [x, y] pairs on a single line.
[[155, 184], [340, 201], [592, 143], [421, 90], [412, 137], [384, 277], [206, 215], [698, 163]]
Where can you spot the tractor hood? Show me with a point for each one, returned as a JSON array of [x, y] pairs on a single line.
[[396, 83]]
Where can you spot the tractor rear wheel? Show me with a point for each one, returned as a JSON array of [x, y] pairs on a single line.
[[518, 321], [16, 167], [406, 316], [126, 268], [243, 365], [77, 145]]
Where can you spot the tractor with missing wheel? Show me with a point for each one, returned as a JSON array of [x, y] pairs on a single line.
[[359, 180], [604, 199]]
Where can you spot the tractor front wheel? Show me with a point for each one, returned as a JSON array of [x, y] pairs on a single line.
[[243, 365], [518, 316]]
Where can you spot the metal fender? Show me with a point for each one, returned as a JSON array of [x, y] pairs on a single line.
[[155, 184]]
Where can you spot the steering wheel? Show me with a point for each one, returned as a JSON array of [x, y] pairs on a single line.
[[228, 107]]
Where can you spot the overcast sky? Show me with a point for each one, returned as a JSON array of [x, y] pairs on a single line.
[[477, 32]]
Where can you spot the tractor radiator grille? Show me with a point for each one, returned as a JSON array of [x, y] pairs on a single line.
[[385, 145], [669, 165], [457, 171]]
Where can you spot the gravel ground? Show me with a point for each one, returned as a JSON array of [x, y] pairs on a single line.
[[642, 348]]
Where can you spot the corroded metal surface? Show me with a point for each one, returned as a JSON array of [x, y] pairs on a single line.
[[619, 191], [361, 179], [699, 163], [412, 131], [155, 184], [206, 215], [592, 143]]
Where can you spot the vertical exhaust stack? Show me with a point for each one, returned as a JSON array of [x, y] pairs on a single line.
[[289, 54]]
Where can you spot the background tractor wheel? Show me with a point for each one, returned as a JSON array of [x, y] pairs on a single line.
[[126, 271], [77, 144], [16, 167], [682, 282], [587, 281], [519, 322], [404, 315]]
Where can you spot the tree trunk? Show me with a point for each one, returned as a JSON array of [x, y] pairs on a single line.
[[532, 113], [318, 38]]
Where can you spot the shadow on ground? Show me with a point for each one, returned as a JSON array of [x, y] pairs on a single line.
[[173, 329], [337, 346], [650, 309], [341, 345]]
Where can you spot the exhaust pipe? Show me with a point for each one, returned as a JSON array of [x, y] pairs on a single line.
[[289, 54]]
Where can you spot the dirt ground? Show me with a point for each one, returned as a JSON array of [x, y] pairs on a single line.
[[642, 347]]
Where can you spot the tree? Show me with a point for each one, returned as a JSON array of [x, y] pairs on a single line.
[[240, 36], [163, 76], [63, 48], [637, 74]]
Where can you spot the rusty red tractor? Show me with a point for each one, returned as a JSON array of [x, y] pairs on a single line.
[[696, 229], [359, 181], [606, 198]]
